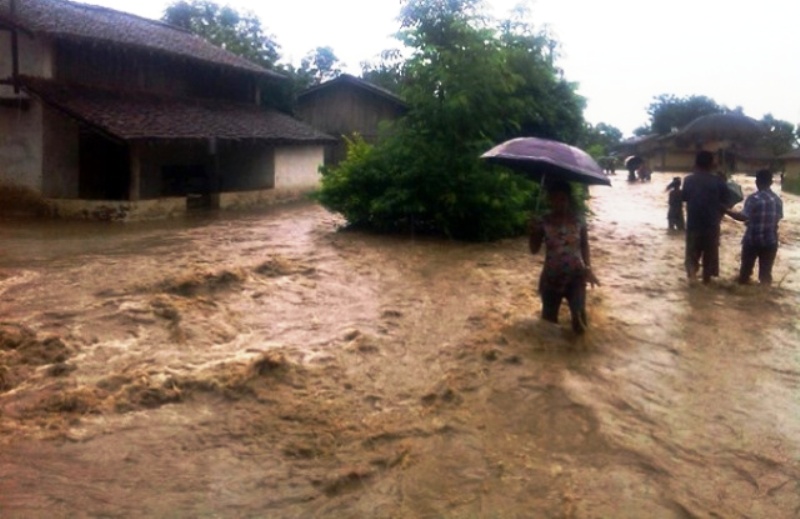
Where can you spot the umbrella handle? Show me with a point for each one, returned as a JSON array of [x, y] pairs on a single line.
[[539, 196]]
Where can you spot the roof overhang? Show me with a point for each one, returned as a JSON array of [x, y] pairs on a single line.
[[129, 116]]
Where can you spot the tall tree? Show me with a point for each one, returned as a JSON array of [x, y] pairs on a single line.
[[669, 113], [386, 71], [781, 136], [600, 139], [318, 66], [543, 103], [240, 33], [468, 84]]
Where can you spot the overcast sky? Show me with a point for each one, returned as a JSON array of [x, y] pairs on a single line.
[[621, 52]]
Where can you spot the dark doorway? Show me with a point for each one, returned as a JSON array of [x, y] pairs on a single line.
[[189, 180], [104, 168]]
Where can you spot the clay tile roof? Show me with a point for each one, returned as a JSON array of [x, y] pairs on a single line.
[[62, 19], [135, 116], [347, 79]]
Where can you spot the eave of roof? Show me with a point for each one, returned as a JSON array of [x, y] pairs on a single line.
[[347, 79], [130, 116]]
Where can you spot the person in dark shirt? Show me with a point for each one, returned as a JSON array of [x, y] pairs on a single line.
[[705, 195]]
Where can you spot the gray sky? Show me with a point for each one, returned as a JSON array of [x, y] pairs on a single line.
[[621, 52]]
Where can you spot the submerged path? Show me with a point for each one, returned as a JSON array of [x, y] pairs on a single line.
[[271, 364]]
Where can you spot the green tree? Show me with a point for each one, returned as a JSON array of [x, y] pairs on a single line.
[[318, 66], [239, 33], [599, 140], [669, 112], [781, 136], [386, 72], [543, 103], [467, 85]]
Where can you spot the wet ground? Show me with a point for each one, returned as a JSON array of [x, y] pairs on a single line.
[[273, 365]]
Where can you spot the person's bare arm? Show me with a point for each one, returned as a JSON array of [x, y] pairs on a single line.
[[736, 215], [587, 257]]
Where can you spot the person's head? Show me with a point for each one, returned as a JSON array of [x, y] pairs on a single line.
[[675, 184], [559, 195], [763, 178], [704, 160]]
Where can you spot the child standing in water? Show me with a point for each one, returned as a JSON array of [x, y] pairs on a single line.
[[567, 263], [675, 219]]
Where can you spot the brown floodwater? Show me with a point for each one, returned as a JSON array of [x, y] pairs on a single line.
[[273, 364]]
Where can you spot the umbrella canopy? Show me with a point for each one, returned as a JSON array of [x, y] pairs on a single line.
[[731, 126], [544, 159], [633, 161]]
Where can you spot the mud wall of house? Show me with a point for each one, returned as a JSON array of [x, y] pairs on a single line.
[[297, 167], [162, 165], [790, 180], [60, 163], [176, 169], [244, 167], [21, 150], [673, 160], [118, 67], [21, 119]]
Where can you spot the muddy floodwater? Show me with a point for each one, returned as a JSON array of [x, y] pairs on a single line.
[[274, 365]]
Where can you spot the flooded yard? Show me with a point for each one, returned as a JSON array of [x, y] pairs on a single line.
[[273, 364]]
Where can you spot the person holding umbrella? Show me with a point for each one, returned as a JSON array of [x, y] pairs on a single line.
[[567, 264], [561, 229], [633, 163]]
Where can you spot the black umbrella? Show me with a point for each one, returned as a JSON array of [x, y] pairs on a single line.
[[633, 162], [731, 126], [544, 159]]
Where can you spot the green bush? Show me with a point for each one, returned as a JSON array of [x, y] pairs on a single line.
[[397, 187]]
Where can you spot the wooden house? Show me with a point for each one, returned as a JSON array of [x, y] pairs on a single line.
[[790, 172], [109, 115], [659, 151], [669, 153], [345, 106]]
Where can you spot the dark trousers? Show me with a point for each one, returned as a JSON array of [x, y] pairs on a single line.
[[576, 299], [702, 246], [766, 259], [675, 219]]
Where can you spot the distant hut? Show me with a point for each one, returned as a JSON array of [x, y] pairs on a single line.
[[345, 106], [791, 171]]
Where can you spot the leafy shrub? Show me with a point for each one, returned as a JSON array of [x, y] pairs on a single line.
[[397, 187]]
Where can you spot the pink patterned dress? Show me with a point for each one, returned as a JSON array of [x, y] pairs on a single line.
[[563, 263]]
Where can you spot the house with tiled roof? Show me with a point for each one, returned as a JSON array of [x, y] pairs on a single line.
[[107, 113], [345, 106], [790, 171]]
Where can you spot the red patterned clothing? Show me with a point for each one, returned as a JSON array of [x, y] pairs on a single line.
[[563, 263]]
